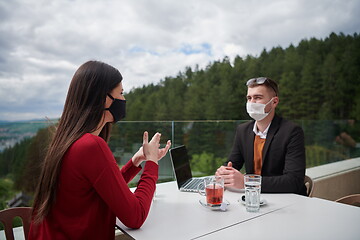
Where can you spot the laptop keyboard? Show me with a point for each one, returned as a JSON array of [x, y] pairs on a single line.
[[193, 184]]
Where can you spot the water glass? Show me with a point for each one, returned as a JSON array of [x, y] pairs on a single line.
[[252, 184]]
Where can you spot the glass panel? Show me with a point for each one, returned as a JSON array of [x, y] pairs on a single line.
[[127, 138], [208, 142], [328, 141]]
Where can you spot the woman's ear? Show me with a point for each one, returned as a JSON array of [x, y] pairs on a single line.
[[108, 102]]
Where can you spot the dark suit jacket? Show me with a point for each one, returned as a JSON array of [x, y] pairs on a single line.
[[283, 163]]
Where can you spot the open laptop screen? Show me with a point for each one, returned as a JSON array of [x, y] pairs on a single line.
[[181, 164]]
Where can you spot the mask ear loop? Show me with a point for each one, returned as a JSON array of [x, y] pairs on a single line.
[[269, 101], [267, 104], [112, 98]]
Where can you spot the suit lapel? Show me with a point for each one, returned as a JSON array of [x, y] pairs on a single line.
[[275, 124], [249, 161]]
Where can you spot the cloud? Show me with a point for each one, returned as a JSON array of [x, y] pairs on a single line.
[[43, 42]]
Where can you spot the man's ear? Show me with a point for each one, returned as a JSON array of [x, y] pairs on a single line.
[[276, 100]]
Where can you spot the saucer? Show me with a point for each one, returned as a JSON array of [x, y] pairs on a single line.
[[242, 200], [221, 207]]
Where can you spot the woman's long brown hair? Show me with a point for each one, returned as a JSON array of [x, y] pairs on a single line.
[[83, 111]]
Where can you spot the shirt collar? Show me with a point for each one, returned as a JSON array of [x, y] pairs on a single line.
[[261, 134]]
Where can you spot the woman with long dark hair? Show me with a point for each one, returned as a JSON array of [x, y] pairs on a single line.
[[81, 189]]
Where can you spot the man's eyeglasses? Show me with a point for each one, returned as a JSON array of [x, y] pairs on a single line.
[[262, 80], [259, 80]]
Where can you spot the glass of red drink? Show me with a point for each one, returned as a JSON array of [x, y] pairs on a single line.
[[213, 190]]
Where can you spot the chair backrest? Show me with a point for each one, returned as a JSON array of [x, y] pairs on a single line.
[[7, 216], [353, 199], [309, 185]]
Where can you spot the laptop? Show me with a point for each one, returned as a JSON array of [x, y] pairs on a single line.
[[181, 165]]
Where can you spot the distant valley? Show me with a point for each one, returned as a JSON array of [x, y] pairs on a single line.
[[14, 132]]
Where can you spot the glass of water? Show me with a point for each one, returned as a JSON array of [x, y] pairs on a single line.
[[252, 184]]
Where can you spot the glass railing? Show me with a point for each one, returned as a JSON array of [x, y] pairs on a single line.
[[208, 142]]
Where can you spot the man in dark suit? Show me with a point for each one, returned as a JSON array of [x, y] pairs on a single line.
[[269, 146]]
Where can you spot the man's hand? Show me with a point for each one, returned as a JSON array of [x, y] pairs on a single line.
[[232, 177]]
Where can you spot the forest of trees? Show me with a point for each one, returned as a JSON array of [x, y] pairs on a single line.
[[318, 80]]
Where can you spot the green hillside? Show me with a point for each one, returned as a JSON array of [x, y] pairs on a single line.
[[318, 79]]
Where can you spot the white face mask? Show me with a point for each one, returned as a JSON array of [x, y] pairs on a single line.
[[257, 110]]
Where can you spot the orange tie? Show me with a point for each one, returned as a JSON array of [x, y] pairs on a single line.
[[258, 147]]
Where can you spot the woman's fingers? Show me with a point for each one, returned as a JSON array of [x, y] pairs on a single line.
[[167, 147], [163, 151], [156, 138], [145, 137], [152, 149]]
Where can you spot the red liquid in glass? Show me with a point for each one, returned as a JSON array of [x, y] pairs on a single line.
[[214, 194]]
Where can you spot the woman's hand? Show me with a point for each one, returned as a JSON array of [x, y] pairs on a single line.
[[150, 151], [138, 157]]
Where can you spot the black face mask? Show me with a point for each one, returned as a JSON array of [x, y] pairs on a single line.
[[117, 108]]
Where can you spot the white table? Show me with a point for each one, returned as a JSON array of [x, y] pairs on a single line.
[[308, 218], [179, 215]]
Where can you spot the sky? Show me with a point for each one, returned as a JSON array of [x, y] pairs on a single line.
[[43, 42]]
